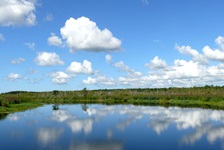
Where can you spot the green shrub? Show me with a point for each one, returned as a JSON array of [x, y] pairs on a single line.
[[5, 103]]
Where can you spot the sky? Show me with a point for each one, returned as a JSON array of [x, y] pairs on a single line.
[[50, 45]]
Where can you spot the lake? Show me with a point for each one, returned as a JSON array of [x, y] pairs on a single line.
[[112, 127]]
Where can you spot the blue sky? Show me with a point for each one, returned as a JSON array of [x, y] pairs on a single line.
[[68, 45]]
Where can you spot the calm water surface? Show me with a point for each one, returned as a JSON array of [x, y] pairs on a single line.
[[117, 127]]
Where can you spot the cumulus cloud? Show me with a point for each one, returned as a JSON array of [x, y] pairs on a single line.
[[216, 55], [84, 34], [80, 68], [100, 80], [2, 37], [48, 59], [17, 61], [156, 63], [182, 73], [104, 80], [30, 45], [60, 77], [196, 56], [220, 41], [208, 53], [54, 40], [184, 69], [17, 12], [89, 80], [13, 76]]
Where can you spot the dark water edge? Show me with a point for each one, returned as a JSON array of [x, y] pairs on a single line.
[[3, 116]]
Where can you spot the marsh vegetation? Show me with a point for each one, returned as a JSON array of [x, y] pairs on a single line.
[[204, 97]]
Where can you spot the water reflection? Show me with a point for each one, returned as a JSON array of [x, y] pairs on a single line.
[[116, 127], [212, 134], [48, 136], [55, 107], [97, 146], [76, 124], [3, 116], [13, 117]]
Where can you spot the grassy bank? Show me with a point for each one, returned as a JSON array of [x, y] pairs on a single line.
[[204, 97], [18, 107]]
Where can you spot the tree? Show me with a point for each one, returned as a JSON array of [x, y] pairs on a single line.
[[55, 92], [85, 92]]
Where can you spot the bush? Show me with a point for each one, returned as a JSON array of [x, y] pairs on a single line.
[[5, 103]]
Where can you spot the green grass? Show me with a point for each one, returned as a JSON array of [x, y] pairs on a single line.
[[212, 104], [18, 107]]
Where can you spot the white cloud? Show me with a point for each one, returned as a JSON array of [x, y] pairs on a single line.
[[108, 58], [196, 57], [54, 40], [60, 77], [90, 80], [220, 41], [181, 74], [216, 55], [17, 61], [84, 34], [30, 45], [78, 68], [100, 80], [184, 69], [122, 66], [48, 59], [13, 76], [108, 81], [49, 17], [2, 37], [221, 66], [17, 12], [157, 63]]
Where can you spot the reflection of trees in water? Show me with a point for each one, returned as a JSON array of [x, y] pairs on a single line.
[[3, 116], [55, 107], [84, 107]]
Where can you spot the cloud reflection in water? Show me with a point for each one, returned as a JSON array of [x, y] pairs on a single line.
[[200, 120], [76, 124], [48, 136], [100, 126]]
